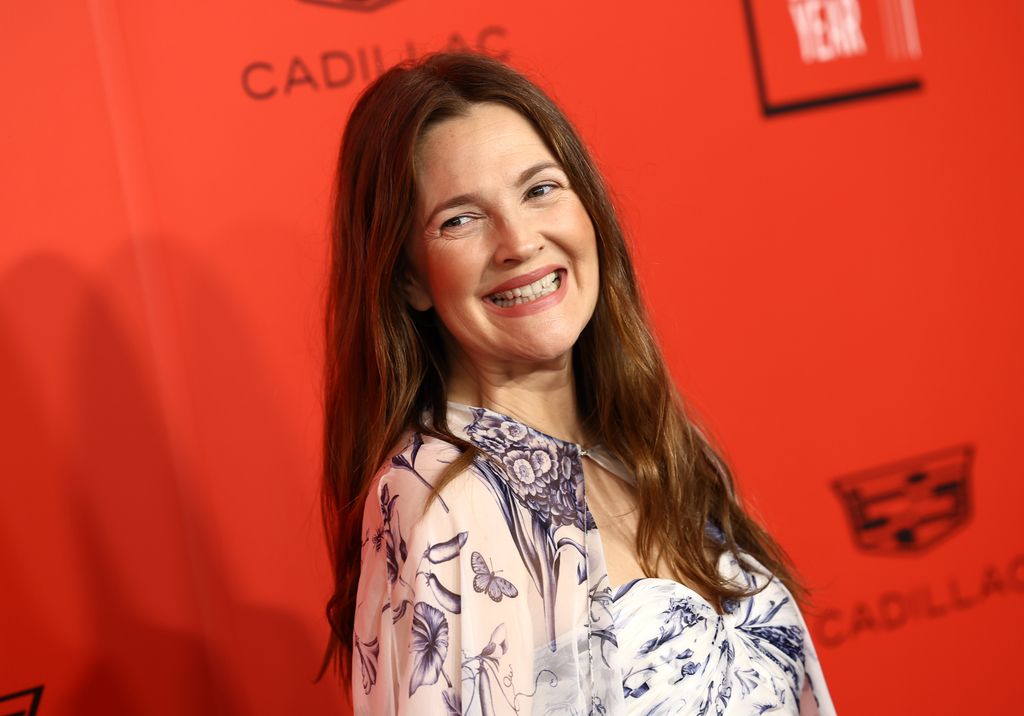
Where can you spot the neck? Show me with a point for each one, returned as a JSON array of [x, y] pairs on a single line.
[[542, 396]]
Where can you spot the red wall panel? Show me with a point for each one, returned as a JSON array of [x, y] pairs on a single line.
[[837, 288]]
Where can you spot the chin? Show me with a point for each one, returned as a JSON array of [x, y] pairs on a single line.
[[545, 351]]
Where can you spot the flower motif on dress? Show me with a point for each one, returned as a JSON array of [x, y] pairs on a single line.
[[485, 680], [494, 434], [452, 702], [769, 629], [602, 623], [688, 669], [635, 683], [394, 543], [788, 639], [747, 679], [404, 462], [429, 646], [368, 652], [679, 616], [544, 474]]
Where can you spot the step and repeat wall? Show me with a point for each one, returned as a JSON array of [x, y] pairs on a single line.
[[824, 200]]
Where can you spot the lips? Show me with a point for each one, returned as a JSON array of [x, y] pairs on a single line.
[[524, 279], [529, 293], [544, 286]]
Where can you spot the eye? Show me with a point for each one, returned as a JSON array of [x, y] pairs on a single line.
[[456, 221], [541, 190]]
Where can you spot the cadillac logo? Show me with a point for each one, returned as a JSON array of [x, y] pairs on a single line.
[[22, 703], [360, 5], [911, 505]]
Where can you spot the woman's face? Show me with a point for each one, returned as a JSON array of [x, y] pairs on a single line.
[[503, 249]]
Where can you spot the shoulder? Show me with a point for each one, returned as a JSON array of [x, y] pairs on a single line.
[[418, 458], [410, 478]]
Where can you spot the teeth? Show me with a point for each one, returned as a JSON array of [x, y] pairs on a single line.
[[531, 292]]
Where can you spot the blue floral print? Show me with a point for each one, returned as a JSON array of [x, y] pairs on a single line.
[[545, 475], [429, 646], [542, 631], [368, 653]]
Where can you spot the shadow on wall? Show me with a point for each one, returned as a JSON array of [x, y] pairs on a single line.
[[33, 508], [123, 562]]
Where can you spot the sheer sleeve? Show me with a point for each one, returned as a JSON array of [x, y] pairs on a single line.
[[815, 699], [443, 623]]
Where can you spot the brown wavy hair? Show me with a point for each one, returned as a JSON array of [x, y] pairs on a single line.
[[385, 365]]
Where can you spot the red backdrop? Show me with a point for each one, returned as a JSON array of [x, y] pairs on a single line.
[[825, 204]]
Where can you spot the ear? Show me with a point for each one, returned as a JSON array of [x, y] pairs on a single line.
[[414, 291]]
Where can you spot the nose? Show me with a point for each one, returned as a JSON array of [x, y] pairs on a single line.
[[516, 241]]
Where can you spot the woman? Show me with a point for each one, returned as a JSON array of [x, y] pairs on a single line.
[[521, 518]]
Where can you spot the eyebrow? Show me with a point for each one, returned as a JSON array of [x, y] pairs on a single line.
[[524, 176]]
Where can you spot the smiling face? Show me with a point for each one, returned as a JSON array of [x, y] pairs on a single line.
[[502, 247]]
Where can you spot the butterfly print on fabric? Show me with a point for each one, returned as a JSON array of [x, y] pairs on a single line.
[[488, 581]]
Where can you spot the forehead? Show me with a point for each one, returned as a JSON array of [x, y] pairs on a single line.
[[490, 143]]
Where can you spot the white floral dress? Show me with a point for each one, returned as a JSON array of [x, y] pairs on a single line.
[[495, 600]]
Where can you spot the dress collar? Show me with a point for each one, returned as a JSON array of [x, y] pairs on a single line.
[[465, 414], [460, 416]]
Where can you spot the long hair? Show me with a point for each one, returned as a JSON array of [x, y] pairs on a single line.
[[385, 365]]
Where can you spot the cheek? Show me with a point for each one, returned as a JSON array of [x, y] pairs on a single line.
[[578, 224], [452, 277]]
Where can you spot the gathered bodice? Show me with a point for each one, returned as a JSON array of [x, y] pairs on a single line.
[[679, 655]]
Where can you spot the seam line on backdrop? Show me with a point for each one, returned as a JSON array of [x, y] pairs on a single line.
[[134, 174]]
